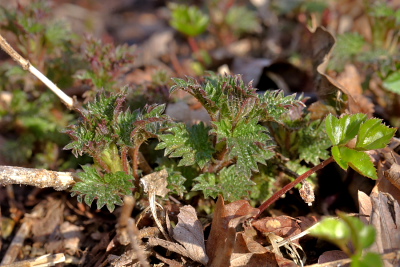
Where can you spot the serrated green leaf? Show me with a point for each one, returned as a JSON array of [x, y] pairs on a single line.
[[229, 182], [175, 182], [223, 96], [107, 189], [207, 183], [313, 143], [190, 143], [234, 186], [124, 127], [341, 130], [247, 142], [373, 134], [359, 161], [275, 105]]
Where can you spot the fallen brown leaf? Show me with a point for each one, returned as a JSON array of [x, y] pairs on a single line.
[[385, 217], [222, 237], [189, 232], [283, 226], [248, 252], [351, 80]]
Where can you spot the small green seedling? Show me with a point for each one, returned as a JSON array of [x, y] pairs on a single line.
[[352, 135], [352, 236], [188, 20]]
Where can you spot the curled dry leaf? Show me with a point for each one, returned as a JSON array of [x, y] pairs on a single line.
[[222, 237], [189, 232], [351, 80], [156, 183], [248, 252], [322, 43], [283, 226], [348, 83]]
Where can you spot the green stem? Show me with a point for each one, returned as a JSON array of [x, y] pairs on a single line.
[[289, 186]]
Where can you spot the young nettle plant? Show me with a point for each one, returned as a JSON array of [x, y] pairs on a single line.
[[107, 133], [223, 156]]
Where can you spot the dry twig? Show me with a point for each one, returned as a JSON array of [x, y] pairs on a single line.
[[36, 177], [68, 101]]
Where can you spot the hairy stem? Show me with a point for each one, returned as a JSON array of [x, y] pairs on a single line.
[[289, 186], [135, 163], [124, 158]]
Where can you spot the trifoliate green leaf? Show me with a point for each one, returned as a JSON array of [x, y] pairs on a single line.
[[107, 189], [358, 160], [190, 143], [341, 130], [228, 182], [373, 134], [247, 142]]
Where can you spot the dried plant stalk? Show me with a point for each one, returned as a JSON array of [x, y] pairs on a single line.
[[68, 101], [36, 177]]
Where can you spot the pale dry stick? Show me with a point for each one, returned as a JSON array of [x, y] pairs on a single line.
[[133, 234], [42, 261], [36, 177], [16, 244], [68, 101]]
